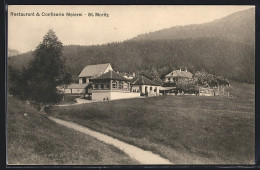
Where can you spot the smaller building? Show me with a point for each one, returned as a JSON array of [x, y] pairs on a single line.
[[144, 86], [74, 89], [175, 75], [111, 86]]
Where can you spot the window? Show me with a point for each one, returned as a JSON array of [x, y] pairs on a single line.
[[95, 86], [155, 89], [101, 86], [114, 84], [84, 80], [107, 86], [168, 79], [125, 86], [151, 88], [120, 85]]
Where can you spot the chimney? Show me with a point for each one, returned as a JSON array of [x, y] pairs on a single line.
[[186, 70], [133, 74], [180, 69]]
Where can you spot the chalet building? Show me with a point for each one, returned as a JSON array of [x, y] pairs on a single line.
[[92, 71], [84, 86], [144, 86], [111, 86], [175, 75]]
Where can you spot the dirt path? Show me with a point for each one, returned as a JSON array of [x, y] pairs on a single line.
[[142, 156]]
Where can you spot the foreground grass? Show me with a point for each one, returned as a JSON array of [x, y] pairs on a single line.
[[242, 90], [34, 139], [183, 129]]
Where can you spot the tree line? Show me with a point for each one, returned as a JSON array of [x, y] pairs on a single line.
[[216, 56]]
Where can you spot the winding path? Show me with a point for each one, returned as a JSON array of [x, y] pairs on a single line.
[[142, 156]]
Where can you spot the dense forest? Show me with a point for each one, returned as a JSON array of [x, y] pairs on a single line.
[[222, 47]]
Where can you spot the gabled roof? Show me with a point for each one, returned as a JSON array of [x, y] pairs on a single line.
[[142, 80], [111, 75], [94, 70], [178, 73]]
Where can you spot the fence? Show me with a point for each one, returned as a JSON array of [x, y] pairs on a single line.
[[214, 91]]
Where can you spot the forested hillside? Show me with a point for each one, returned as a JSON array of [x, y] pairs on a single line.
[[222, 47], [237, 27]]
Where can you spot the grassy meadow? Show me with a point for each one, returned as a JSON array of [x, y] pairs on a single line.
[[183, 129], [33, 139]]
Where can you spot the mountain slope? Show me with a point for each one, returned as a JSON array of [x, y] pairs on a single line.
[[237, 27]]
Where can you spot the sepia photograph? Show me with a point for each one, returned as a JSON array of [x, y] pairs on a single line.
[[130, 85]]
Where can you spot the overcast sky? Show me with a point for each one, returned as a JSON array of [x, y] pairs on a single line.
[[124, 22]]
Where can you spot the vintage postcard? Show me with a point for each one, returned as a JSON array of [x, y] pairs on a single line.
[[131, 85]]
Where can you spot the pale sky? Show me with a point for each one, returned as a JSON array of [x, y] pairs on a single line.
[[124, 22]]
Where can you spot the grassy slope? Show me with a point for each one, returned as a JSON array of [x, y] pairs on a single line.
[[184, 129], [69, 99], [34, 139]]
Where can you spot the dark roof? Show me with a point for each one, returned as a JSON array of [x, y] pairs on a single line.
[[111, 75], [94, 70], [142, 80], [178, 73]]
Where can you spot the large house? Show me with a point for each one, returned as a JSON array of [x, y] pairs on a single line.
[[169, 84], [92, 71], [144, 86], [111, 86], [175, 75]]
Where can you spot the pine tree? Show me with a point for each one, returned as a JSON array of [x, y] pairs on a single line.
[[47, 71], [155, 76]]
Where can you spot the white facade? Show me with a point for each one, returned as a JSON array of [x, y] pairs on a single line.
[[151, 90], [101, 95]]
